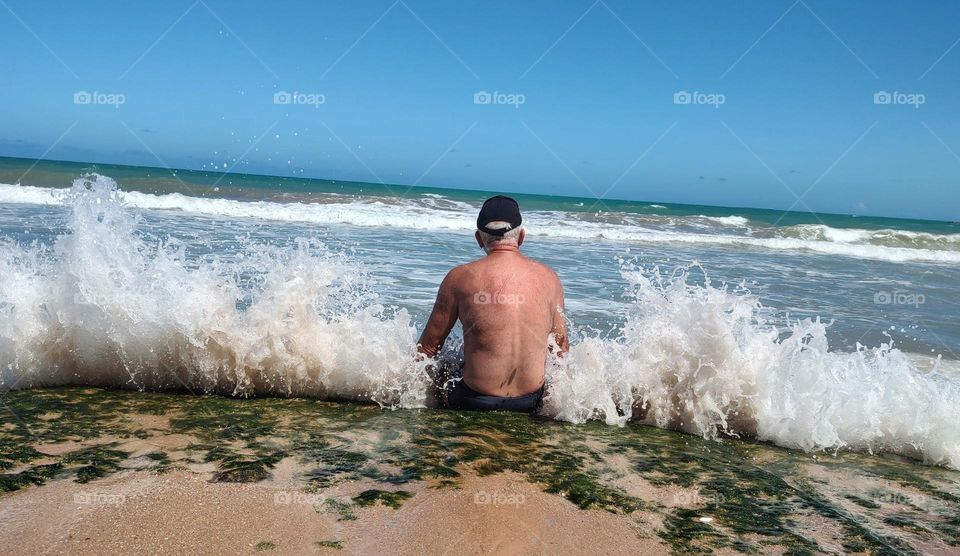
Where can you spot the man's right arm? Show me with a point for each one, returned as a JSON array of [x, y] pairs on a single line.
[[442, 318]]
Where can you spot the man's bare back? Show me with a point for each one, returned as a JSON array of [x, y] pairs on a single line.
[[509, 305]]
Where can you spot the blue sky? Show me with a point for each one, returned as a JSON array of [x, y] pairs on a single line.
[[785, 115]]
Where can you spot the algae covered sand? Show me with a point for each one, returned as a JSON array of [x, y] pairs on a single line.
[[329, 477]]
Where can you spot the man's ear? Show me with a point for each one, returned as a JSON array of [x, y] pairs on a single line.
[[523, 235], [479, 241]]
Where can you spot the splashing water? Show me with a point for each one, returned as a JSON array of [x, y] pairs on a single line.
[[705, 360], [106, 306]]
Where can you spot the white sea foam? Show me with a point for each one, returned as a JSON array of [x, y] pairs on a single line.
[[731, 220], [104, 307], [704, 360], [452, 216]]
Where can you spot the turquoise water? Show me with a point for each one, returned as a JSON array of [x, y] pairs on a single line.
[[252, 186]]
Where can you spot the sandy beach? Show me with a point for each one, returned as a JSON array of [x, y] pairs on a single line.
[[183, 512]]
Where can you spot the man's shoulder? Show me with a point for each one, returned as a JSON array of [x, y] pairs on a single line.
[[462, 269], [481, 267], [544, 268], [458, 273]]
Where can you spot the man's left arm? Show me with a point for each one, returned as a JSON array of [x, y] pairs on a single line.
[[560, 322], [442, 318]]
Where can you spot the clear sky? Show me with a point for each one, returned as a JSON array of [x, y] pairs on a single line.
[[785, 114]]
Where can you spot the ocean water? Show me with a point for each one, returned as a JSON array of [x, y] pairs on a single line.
[[813, 332]]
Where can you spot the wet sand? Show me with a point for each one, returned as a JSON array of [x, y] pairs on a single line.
[[142, 512], [93, 471]]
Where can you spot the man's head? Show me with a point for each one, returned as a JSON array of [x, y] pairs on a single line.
[[499, 224]]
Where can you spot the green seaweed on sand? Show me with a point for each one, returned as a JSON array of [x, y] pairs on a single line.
[[13, 453], [58, 414], [330, 463], [161, 461], [393, 499], [236, 467], [224, 419], [731, 495], [862, 502], [233, 436], [36, 475], [949, 529], [94, 462], [341, 508], [336, 545]]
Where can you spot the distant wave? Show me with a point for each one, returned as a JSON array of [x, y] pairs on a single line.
[[440, 214], [103, 306], [728, 220]]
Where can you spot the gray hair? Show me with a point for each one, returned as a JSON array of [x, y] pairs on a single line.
[[511, 237]]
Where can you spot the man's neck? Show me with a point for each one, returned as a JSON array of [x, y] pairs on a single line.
[[504, 249]]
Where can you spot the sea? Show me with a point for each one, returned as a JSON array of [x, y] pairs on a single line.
[[813, 332]]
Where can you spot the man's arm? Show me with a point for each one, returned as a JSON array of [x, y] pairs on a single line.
[[442, 318], [560, 323]]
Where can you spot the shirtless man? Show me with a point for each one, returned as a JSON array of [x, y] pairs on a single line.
[[509, 307]]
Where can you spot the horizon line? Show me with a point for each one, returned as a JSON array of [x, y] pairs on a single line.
[[455, 188]]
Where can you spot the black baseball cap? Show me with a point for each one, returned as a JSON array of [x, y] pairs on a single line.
[[499, 209]]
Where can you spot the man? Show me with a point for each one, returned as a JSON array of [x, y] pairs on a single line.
[[510, 307]]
